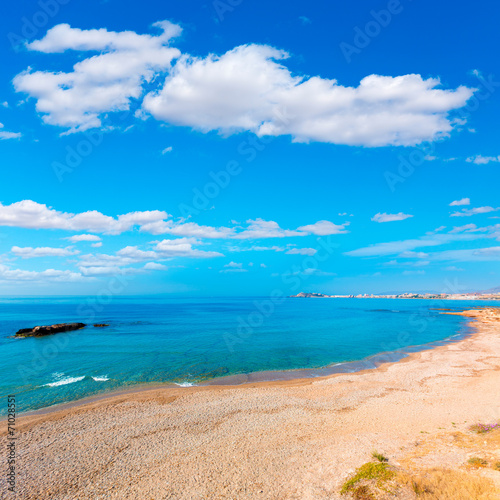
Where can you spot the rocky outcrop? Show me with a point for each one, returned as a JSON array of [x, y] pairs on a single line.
[[41, 331], [100, 325]]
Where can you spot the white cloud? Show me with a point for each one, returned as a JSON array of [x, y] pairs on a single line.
[[29, 252], [246, 89], [301, 251], [8, 135], [155, 266], [260, 228], [104, 264], [101, 83], [458, 203], [182, 247], [188, 229], [399, 247], [101, 271], [234, 265], [474, 211], [169, 149], [390, 217], [483, 160], [83, 237], [97, 245], [32, 215], [233, 271], [7, 274], [437, 230], [324, 228], [249, 89], [488, 254], [453, 268]]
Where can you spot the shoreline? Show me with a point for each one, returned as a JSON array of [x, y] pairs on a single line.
[[269, 377], [291, 439]]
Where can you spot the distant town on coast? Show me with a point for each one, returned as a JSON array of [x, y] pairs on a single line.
[[493, 294]]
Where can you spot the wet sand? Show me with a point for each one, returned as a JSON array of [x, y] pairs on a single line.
[[295, 439]]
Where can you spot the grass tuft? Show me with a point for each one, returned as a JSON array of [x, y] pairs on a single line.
[[362, 493], [477, 462], [442, 484], [370, 471], [378, 456]]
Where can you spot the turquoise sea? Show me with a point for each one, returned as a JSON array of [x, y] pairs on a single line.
[[193, 341]]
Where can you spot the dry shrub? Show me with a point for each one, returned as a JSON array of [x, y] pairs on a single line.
[[441, 484]]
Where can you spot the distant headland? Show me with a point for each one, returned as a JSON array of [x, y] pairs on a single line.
[[488, 295]]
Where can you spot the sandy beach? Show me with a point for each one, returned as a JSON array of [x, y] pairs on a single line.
[[297, 439]]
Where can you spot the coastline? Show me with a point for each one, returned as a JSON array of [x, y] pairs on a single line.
[[269, 377], [307, 433]]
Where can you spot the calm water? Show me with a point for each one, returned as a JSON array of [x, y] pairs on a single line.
[[188, 341]]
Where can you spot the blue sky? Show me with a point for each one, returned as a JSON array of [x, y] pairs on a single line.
[[236, 148]]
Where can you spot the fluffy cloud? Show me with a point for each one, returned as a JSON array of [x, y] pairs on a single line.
[[324, 228], [7, 274], [248, 88], [8, 135], [188, 229], [182, 247], [473, 211], [155, 266], [260, 228], [301, 251], [390, 217], [101, 83], [459, 203], [29, 252], [483, 160], [83, 237], [256, 229], [32, 215], [234, 265], [106, 265]]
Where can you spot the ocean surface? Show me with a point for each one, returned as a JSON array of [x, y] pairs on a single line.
[[194, 341]]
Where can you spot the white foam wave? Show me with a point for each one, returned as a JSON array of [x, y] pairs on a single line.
[[184, 384], [103, 378], [65, 381]]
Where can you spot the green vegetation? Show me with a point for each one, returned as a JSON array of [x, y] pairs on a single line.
[[477, 462], [378, 456], [378, 472], [483, 428]]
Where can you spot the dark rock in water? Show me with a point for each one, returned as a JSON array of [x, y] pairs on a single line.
[[40, 331], [100, 325]]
